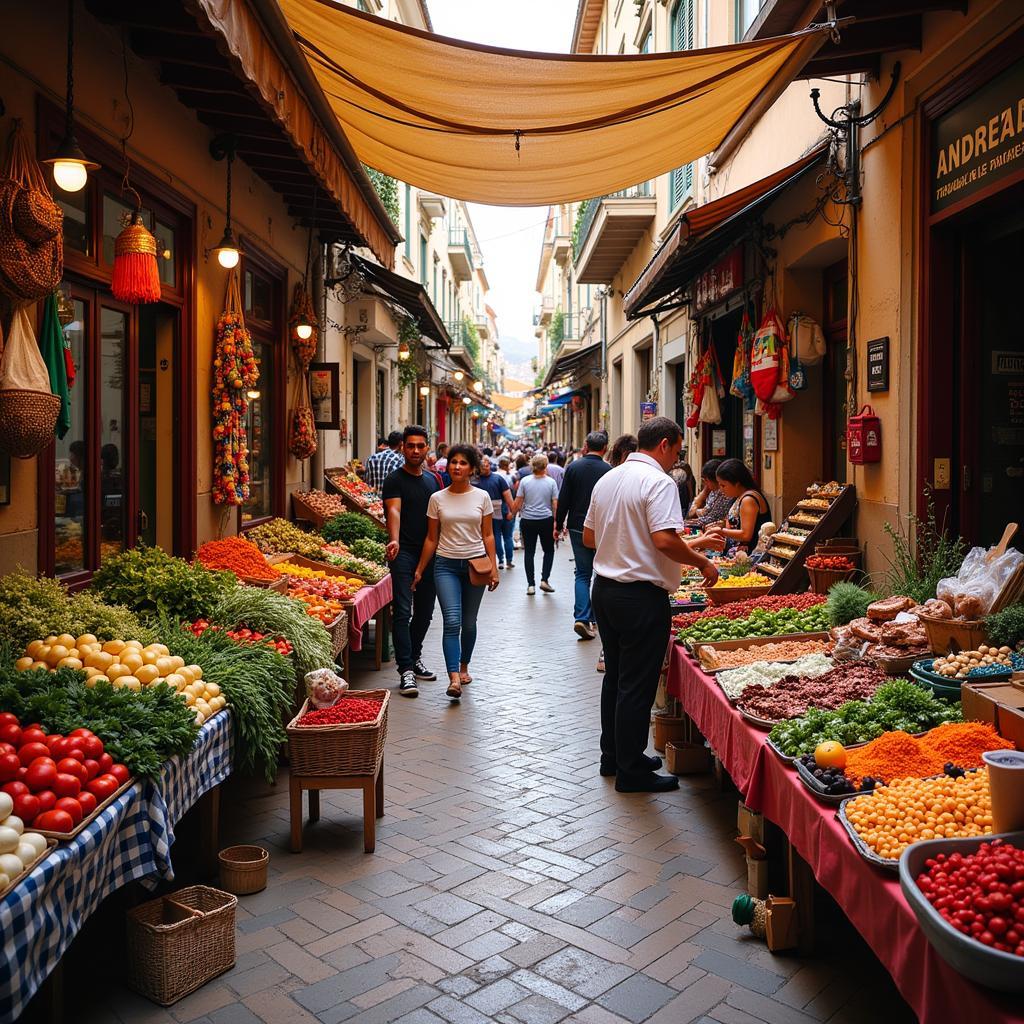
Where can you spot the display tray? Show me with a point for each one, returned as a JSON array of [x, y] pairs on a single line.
[[808, 779], [808, 504], [17, 879], [772, 570], [930, 681], [748, 642], [862, 848], [789, 762], [727, 595], [279, 586], [803, 519], [301, 509], [89, 819], [324, 567]]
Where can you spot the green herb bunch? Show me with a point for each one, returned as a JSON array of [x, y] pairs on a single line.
[[350, 527], [142, 730], [278, 615], [369, 571], [258, 682], [846, 602], [1006, 628], [371, 550], [157, 585]]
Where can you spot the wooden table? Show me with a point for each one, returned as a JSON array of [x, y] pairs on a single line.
[[373, 801]]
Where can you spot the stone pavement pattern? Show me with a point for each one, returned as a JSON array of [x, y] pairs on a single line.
[[510, 882]]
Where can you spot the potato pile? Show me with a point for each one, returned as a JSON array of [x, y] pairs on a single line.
[[127, 664], [957, 666]]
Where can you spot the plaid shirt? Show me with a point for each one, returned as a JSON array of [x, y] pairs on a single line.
[[381, 465]]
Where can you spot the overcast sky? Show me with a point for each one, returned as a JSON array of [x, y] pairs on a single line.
[[510, 237]]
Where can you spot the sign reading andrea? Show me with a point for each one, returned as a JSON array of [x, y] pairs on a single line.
[[980, 140]]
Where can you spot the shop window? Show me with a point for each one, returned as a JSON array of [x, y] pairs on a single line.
[[77, 207], [113, 339], [258, 298], [260, 431], [71, 461]]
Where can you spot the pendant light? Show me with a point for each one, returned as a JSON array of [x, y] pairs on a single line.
[[459, 375], [303, 320], [424, 390], [478, 386], [70, 166], [228, 254], [466, 400], [403, 351]]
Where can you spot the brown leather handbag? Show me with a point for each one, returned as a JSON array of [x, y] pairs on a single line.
[[480, 571]]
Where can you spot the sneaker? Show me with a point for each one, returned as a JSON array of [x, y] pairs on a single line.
[[501, 565], [531, 590], [511, 565], [422, 673], [583, 630], [546, 587], [407, 687]]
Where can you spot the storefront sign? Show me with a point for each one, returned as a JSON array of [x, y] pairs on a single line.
[[878, 364], [771, 434], [648, 410], [323, 392], [717, 283], [980, 140], [1009, 363], [718, 443]]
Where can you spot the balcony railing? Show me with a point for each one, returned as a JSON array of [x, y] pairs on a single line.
[[641, 191], [460, 237]]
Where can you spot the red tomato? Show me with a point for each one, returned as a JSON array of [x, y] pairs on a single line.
[[121, 773], [47, 798], [105, 761], [34, 725], [92, 768], [22, 772], [6, 718], [58, 747], [70, 766], [75, 751], [44, 761], [102, 786], [26, 807], [30, 751], [8, 748], [14, 788], [87, 801], [9, 765], [55, 821], [66, 785], [34, 736], [53, 738], [69, 806], [10, 732], [41, 776], [93, 746], [81, 732]]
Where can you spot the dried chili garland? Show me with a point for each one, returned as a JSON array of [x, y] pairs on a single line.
[[235, 370]]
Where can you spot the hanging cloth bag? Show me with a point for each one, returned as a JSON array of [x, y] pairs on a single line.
[[741, 386], [51, 342], [769, 360], [711, 406], [808, 339], [695, 390], [28, 409], [302, 432]]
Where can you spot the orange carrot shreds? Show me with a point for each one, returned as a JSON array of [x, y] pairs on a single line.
[[963, 743], [236, 555], [894, 755]]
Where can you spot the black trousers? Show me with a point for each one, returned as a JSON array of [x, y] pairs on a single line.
[[531, 529], [634, 620]]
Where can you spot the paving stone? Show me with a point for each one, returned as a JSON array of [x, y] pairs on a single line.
[[449, 908], [457, 1012], [496, 996], [582, 972], [637, 998], [586, 911], [237, 1013], [538, 1010], [738, 971], [487, 945]]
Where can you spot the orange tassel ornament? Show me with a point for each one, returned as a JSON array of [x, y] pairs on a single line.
[[136, 277]]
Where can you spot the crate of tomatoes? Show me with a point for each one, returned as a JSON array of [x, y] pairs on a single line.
[[346, 738], [826, 570]]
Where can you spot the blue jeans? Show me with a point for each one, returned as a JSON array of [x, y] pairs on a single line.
[[460, 603], [581, 610], [503, 531], [412, 610]]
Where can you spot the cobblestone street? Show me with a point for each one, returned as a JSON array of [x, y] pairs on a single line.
[[510, 882]]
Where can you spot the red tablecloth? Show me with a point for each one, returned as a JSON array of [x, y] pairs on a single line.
[[869, 896], [368, 601]]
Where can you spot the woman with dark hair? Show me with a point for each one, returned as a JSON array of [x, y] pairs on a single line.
[[711, 505], [623, 445], [460, 530], [683, 476], [750, 509]]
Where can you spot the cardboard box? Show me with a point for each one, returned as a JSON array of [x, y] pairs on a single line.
[[999, 703], [780, 922], [687, 758], [757, 878], [749, 823]]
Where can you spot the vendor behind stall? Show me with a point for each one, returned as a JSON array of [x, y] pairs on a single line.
[[711, 505], [750, 510]]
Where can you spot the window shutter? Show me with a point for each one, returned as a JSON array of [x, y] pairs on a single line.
[[682, 38]]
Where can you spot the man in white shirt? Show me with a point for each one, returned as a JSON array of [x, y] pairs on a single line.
[[633, 524]]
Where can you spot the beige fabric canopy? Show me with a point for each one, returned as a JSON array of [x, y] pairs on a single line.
[[447, 116]]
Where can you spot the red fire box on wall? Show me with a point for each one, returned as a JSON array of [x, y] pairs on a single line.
[[864, 437]]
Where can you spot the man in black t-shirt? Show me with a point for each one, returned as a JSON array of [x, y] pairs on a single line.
[[406, 492]]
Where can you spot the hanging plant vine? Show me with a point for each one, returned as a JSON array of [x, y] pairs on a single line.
[[408, 369]]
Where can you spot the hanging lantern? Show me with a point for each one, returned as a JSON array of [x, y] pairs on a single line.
[[136, 276]]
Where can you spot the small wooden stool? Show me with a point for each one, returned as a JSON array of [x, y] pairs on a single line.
[[373, 801]]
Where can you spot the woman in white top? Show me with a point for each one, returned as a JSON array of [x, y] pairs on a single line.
[[537, 503], [459, 529]]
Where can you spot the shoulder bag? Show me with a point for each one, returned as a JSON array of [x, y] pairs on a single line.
[[480, 571]]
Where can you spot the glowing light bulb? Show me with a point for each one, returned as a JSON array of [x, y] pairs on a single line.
[[466, 399], [424, 390], [459, 375], [228, 258], [304, 331], [70, 175]]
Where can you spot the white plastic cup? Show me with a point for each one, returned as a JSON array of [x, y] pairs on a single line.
[[1006, 785]]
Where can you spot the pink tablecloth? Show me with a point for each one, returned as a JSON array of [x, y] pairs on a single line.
[[368, 601], [869, 896]]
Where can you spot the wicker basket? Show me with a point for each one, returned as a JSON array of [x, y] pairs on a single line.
[[179, 942], [27, 419], [956, 635], [823, 579], [344, 749], [847, 548], [243, 869], [726, 595], [339, 633]]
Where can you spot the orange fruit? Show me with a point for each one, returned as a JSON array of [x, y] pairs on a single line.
[[830, 754]]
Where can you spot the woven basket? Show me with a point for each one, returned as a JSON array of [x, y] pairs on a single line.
[[243, 869], [27, 419], [823, 579], [179, 942], [344, 749], [339, 634], [956, 635]]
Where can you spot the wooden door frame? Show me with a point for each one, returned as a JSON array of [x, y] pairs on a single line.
[[833, 330]]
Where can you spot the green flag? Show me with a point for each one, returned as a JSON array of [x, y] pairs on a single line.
[[51, 344]]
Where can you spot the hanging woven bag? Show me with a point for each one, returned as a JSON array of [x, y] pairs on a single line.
[[28, 409], [302, 433]]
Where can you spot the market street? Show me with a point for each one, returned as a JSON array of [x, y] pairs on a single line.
[[510, 882]]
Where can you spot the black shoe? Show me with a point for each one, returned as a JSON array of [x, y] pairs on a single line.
[[608, 767], [422, 673], [646, 783], [407, 687]]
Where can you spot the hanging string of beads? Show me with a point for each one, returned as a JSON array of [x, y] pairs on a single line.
[[235, 371]]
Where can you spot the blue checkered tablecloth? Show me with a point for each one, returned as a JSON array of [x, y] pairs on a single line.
[[131, 839]]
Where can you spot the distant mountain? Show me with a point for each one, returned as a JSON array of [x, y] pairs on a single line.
[[520, 372], [517, 351]]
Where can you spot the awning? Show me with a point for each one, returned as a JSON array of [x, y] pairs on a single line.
[[707, 232], [574, 362], [242, 73], [514, 128], [410, 295]]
